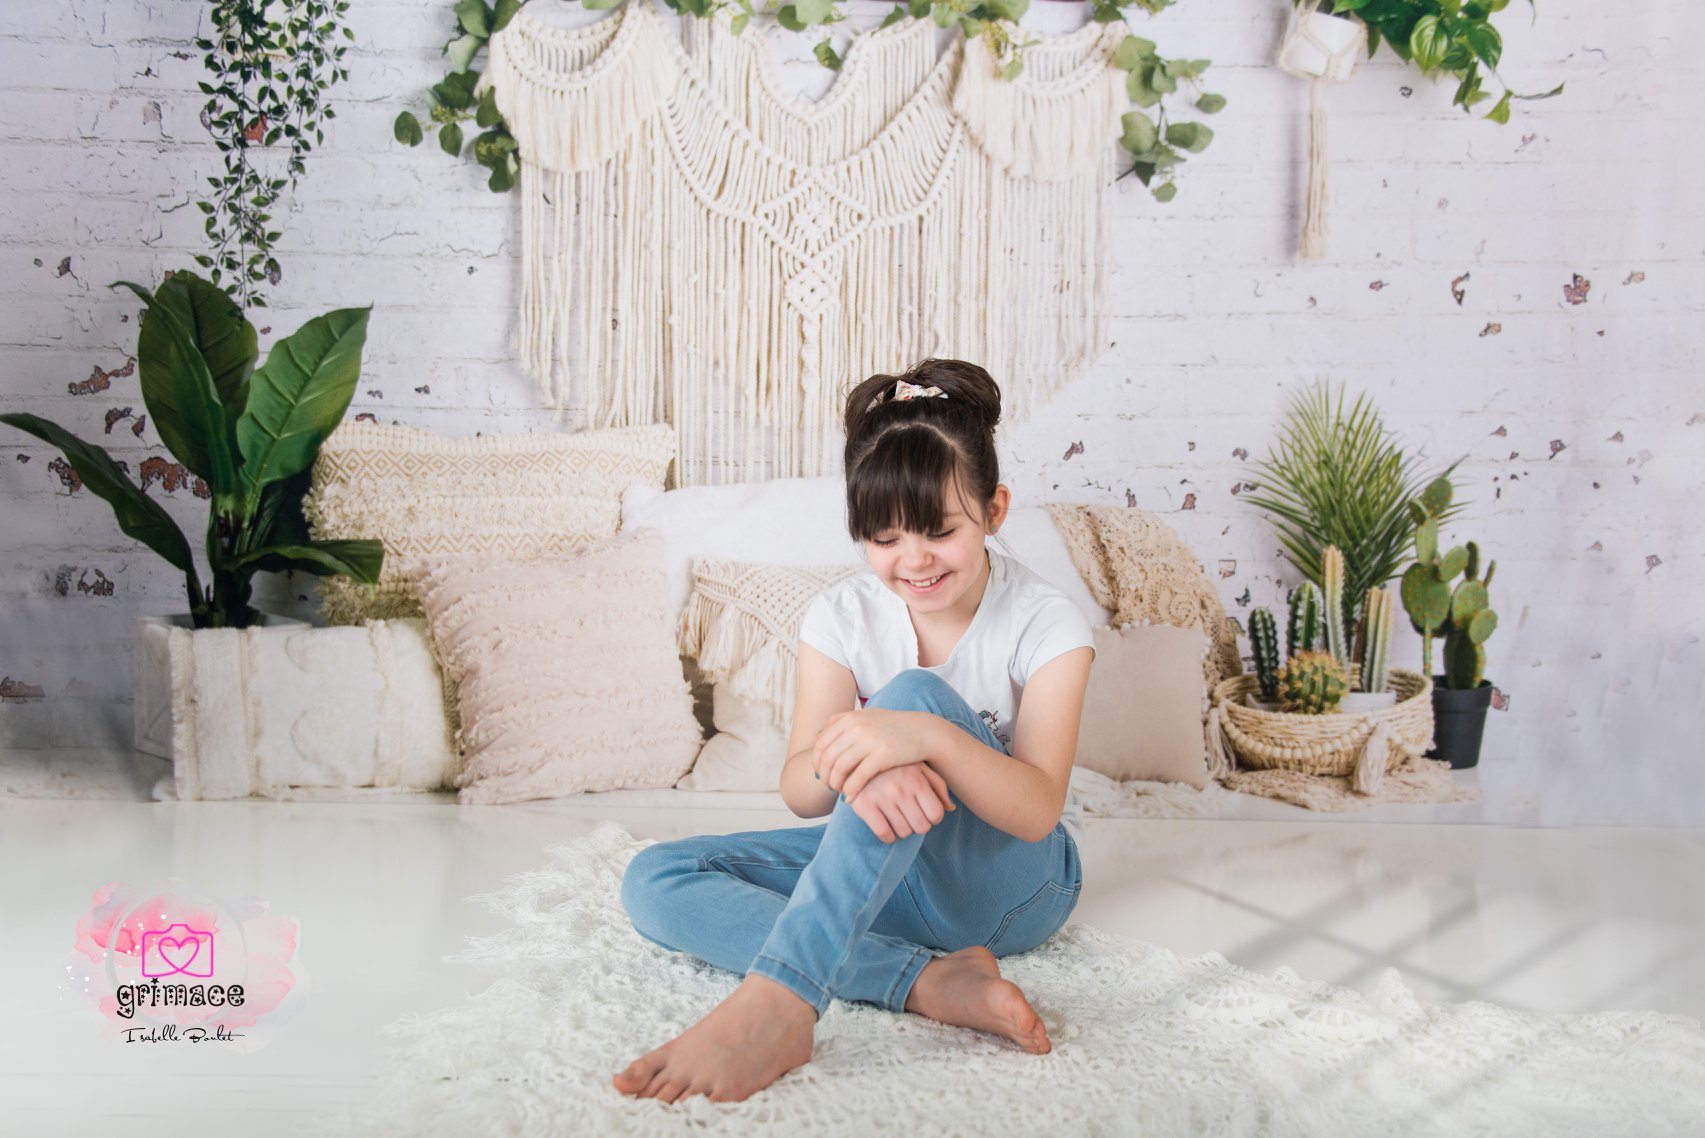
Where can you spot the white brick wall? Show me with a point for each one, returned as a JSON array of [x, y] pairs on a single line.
[[1214, 323]]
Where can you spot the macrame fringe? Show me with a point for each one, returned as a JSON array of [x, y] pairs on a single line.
[[1370, 764], [736, 648], [1048, 131], [1220, 760], [1314, 215]]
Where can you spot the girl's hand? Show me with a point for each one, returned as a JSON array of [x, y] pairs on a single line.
[[903, 801], [857, 746]]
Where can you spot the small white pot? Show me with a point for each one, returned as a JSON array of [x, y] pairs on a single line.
[[1343, 39], [151, 677], [1362, 702], [1254, 700]]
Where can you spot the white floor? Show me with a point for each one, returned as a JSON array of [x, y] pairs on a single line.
[[1562, 920]]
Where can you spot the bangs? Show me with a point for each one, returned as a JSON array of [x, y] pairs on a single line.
[[901, 484]]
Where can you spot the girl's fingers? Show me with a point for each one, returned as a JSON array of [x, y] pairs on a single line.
[[931, 806], [897, 820], [939, 784], [874, 819], [916, 818]]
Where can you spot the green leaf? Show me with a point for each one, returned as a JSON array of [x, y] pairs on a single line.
[[1428, 42], [825, 53], [456, 91], [1137, 87], [219, 331], [298, 397], [475, 18], [788, 17], [178, 390], [502, 178], [503, 12], [139, 516], [1348, 6], [600, 5], [450, 138], [1159, 78], [814, 11], [359, 559], [407, 129], [1192, 136], [1500, 112], [1485, 42], [738, 23], [1013, 69], [1131, 52], [487, 115], [1210, 103], [1165, 192], [461, 52], [1140, 133]]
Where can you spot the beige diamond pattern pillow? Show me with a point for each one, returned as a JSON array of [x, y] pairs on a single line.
[[565, 669], [507, 497]]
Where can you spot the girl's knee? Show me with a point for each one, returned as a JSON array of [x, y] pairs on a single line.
[[914, 690], [647, 878]]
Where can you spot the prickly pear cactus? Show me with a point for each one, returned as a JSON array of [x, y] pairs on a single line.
[[1313, 683], [1264, 640], [1461, 615], [1302, 632]]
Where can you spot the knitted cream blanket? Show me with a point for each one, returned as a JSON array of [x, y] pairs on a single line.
[[1146, 1042]]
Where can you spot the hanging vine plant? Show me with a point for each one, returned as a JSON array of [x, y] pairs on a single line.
[[270, 64], [1155, 142]]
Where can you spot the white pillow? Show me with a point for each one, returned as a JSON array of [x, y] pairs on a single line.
[[746, 753]]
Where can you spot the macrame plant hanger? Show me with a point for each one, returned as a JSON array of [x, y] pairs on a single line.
[[1323, 49]]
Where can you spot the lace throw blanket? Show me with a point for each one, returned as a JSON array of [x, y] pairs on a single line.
[[1145, 1042]]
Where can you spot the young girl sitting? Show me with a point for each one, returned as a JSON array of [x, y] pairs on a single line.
[[936, 721]]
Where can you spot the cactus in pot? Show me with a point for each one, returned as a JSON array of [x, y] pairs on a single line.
[[1312, 683], [1332, 572], [1302, 631], [1264, 641], [1376, 640]]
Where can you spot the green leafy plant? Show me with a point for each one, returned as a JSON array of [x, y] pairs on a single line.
[[1462, 615], [250, 433], [1453, 37], [1337, 478], [271, 63], [1155, 139]]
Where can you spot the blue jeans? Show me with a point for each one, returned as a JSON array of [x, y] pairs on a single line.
[[832, 910]]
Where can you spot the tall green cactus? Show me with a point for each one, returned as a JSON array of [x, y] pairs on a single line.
[[1376, 640], [1462, 615], [1264, 640], [1332, 600], [1302, 631]]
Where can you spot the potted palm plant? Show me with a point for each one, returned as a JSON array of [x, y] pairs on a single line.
[[1337, 478], [251, 433]]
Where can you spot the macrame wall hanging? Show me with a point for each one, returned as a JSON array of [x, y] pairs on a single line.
[[703, 247], [1323, 49]]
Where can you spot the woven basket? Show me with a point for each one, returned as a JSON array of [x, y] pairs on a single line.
[[1363, 747]]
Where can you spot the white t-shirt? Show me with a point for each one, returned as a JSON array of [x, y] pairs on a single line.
[[1021, 623]]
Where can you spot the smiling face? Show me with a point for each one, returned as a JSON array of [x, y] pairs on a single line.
[[942, 571]]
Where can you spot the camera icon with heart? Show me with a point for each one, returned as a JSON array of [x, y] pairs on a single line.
[[177, 951]]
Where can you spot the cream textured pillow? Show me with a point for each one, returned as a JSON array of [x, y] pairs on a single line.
[[741, 624], [1142, 712], [746, 753], [506, 497], [565, 668]]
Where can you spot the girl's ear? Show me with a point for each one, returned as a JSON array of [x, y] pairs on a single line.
[[998, 507]]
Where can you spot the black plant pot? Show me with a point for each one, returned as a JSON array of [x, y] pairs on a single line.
[[1459, 722]]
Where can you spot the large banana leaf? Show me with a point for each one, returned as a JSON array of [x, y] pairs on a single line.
[[360, 560], [216, 325], [299, 396], [177, 387], [138, 515]]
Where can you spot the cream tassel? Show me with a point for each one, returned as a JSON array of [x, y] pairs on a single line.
[[1314, 216], [1370, 764], [1220, 759]]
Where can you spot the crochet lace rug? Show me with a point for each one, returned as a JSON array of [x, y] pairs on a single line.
[[1145, 1042]]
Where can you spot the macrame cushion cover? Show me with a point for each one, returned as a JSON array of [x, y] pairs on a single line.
[[1142, 711], [565, 670], [506, 497]]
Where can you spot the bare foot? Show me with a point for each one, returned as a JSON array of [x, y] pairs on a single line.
[[965, 989], [754, 1037]]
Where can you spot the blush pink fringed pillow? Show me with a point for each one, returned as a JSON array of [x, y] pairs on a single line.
[[565, 668]]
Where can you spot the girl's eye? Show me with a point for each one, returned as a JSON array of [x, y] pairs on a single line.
[[884, 541], [943, 535]]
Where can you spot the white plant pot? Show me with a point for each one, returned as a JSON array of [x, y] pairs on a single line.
[[1259, 704], [1344, 41], [1363, 702], [151, 677]]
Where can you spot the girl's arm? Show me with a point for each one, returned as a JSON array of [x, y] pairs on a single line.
[[1023, 795], [825, 688]]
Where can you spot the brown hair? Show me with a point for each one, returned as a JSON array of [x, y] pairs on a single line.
[[902, 453]]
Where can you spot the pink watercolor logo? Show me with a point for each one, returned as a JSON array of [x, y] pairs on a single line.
[[162, 963]]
